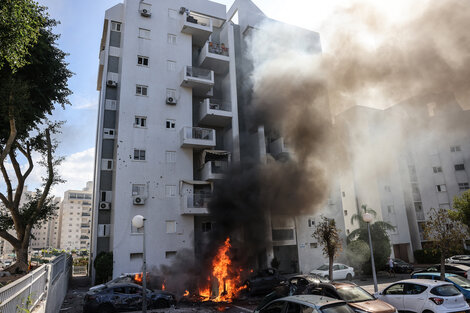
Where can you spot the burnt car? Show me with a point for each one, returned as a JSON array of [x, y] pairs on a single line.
[[263, 282], [124, 297], [459, 259], [457, 269], [400, 266]]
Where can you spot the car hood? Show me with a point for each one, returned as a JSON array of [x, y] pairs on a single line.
[[97, 287], [373, 306]]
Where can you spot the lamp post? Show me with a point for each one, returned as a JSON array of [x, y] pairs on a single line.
[[138, 221], [367, 217]]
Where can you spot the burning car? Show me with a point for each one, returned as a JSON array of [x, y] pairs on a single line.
[[263, 282], [124, 297]]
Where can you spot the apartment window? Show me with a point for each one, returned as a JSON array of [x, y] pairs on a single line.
[[388, 188], [463, 186], [390, 209], [144, 61], [170, 156], [141, 90], [115, 26], [170, 124], [437, 169], [313, 245], [345, 212], [136, 256], [144, 33], [441, 188], [282, 234], [138, 189], [206, 227], [140, 121], [139, 155], [459, 167], [170, 227], [170, 254], [170, 191], [171, 39], [170, 66], [311, 222], [455, 148], [172, 14]]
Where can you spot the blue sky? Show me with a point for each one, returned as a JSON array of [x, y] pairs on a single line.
[[80, 30]]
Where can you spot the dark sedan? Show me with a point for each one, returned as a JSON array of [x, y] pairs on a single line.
[[400, 266], [458, 269], [124, 297], [264, 281]]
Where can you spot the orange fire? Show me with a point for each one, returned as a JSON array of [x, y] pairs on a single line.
[[186, 293], [138, 277], [163, 285]]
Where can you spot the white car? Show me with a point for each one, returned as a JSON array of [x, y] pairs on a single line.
[[340, 271], [424, 296]]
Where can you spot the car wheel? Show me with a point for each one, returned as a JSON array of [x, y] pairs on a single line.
[[427, 311], [349, 277], [106, 308], [161, 303]]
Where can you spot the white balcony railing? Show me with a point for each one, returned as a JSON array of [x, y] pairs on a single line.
[[213, 170], [215, 56], [215, 113], [200, 79], [197, 25], [195, 204], [197, 137]]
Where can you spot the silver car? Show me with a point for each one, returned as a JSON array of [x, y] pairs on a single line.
[[305, 304]]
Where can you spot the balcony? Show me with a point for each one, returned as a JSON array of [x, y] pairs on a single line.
[[278, 148], [420, 215], [215, 57], [214, 113], [85, 214], [200, 79], [196, 25], [197, 137], [214, 170], [195, 204], [85, 225]]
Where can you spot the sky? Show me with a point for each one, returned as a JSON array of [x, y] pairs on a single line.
[[81, 24]]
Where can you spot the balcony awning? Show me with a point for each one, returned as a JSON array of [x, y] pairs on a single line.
[[214, 155]]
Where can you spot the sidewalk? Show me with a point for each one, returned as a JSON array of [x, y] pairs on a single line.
[[73, 302], [383, 280]]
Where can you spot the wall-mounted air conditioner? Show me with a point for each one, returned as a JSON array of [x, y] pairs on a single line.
[[170, 100], [138, 200], [111, 83], [112, 80], [105, 205], [145, 12], [109, 133]]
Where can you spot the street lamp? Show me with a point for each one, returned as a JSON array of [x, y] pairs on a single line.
[[367, 217], [138, 221]]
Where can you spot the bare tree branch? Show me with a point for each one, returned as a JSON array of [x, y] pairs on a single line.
[[27, 153]]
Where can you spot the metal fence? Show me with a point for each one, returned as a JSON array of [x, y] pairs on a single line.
[[27, 292]]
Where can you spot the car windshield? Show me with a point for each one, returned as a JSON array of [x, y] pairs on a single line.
[[462, 282], [336, 308], [354, 294], [324, 267], [445, 291]]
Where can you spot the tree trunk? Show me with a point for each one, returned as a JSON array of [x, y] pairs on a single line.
[[443, 268], [21, 264], [330, 267]]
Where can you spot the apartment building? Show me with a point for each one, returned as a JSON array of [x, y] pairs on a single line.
[[74, 222]]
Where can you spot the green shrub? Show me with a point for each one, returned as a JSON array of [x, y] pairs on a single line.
[[103, 265]]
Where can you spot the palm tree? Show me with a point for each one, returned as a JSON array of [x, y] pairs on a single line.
[[378, 231]]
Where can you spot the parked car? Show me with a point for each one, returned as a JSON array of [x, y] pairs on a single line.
[[305, 303], [340, 271], [458, 269], [264, 281], [462, 284], [124, 297], [400, 266], [423, 295], [459, 259]]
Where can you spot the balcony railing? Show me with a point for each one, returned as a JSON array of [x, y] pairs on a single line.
[[420, 215], [214, 112], [85, 225], [198, 137], [197, 25], [217, 48], [213, 170], [200, 73], [195, 204]]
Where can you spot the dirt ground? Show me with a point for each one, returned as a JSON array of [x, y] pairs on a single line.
[[73, 302]]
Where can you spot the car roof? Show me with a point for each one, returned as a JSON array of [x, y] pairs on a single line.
[[312, 299], [434, 274], [427, 282], [122, 285], [307, 277], [461, 266]]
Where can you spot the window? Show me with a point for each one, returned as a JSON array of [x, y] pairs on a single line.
[[172, 14], [390, 209], [455, 148], [388, 188], [144, 33], [463, 186], [170, 124], [170, 227], [115, 26], [170, 156], [170, 191], [313, 245], [275, 307], [311, 222], [140, 121], [397, 289], [345, 212], [141, 90], [437, 169], [144, 61], [136, 256], [206, 227], [282, 234], [459, 167], [139, 155], [170, 66], [170, 254], [171, 39], [138, 189], [441, 188]]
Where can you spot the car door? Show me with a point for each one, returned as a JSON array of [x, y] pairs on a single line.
[[394, 296], [275, 307], [414, 297], [134, 297], [119, 298], [337, 272], [293, 307]]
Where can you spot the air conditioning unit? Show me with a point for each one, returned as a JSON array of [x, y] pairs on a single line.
[[170, 100], [111, 83], [138, 200], [105, 205], [145, 12]]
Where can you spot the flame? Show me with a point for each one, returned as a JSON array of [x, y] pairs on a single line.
[[186, 293], [163, 285], [138, 277]]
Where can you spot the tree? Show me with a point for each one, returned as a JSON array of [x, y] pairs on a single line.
[[462, 208], [27, 96], [445, 232], [20, 23], [103, 265], [328, 237], [380, 240]]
